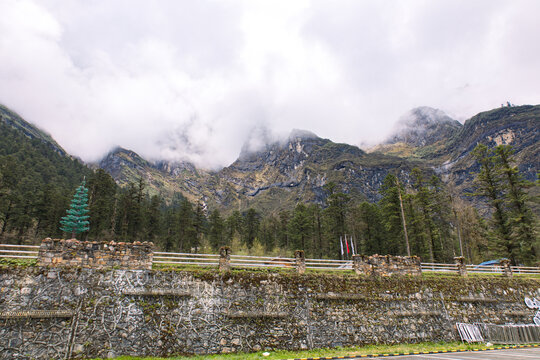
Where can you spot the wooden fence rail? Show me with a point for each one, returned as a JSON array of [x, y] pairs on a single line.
[[250, 261]]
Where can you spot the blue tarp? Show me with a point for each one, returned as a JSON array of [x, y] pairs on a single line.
[[491, 262]]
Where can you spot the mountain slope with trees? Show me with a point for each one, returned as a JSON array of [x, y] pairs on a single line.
[[36, 182], [304, 192]]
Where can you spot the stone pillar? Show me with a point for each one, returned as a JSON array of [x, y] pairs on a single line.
[[506, 268], [300, 261], [462, 268], [357, 264], [416, 268], [224, 258]]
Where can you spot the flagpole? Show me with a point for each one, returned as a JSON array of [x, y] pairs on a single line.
[[347, 246]]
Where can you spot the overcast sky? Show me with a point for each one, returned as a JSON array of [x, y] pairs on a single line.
[[195, 79]]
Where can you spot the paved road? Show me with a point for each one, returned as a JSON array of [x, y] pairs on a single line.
[[514, 354]]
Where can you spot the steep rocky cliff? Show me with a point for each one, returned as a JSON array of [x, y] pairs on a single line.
[[277, 176]]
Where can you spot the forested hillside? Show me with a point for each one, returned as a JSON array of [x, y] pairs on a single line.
[[36, 183]]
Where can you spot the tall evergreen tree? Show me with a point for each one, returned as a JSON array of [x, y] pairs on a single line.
[[233, 226], [317, 230], [300, 227], [216, 229], [76, 220], [268, 232], [425, 204], [520, 217], [186, 233], [152, 219], [283, 235], [102, 191], [335, 216], [372, 234], [488, 184], [251, 222], [391, 212]]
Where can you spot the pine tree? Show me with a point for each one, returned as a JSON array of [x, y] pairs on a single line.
[[335, 215], [300, 227], [216, 230], [251, 222], [371, 230], [76, 220], [391, 212], [101, 200], [424, 202], [488, 185], [520, 217], [186, 232]]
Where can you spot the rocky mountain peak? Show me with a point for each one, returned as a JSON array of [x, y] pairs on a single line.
[[118, 158], [298, 134], [175, 168], [292, 150], [424, 126]]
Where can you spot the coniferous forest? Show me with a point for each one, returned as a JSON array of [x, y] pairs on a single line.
[[424, 217]]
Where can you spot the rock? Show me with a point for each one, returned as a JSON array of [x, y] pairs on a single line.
[[26, 291]]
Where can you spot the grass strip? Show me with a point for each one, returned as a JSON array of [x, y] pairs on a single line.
[[345, 352]]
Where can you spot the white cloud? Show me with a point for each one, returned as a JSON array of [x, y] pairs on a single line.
[[184, 79]]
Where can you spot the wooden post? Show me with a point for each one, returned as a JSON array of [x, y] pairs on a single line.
[[224, 259]]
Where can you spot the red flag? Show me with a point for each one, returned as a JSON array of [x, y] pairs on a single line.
[[347, 243]]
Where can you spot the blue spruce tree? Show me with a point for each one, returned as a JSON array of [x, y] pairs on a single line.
[[76, 220]]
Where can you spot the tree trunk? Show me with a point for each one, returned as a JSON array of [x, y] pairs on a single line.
[[403, 218]]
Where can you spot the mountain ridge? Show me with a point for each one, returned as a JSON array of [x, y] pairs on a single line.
[[295, 169], [14, 120]]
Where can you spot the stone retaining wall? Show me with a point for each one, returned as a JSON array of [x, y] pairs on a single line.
[[105, 313], [97, 255], [379, 265]]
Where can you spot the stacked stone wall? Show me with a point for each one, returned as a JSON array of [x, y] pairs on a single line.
[[62, 312], [96, 255], [379, 265]]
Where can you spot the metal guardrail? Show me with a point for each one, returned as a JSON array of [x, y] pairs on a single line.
[[525, 270], [19, 251], [249, 261], [261, 261], [485, 269], [436, 267], [186, 258], [324, 264]]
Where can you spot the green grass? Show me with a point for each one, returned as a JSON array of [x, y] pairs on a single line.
[[364, 350], [349, 272], [10, 262]]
